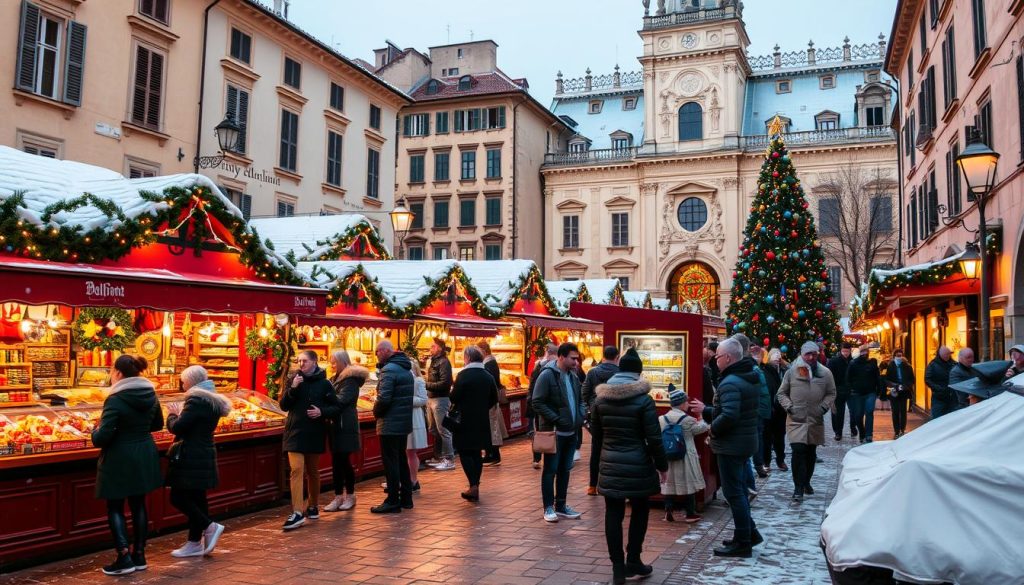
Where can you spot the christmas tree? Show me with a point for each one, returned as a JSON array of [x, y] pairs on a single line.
[[780, 293]]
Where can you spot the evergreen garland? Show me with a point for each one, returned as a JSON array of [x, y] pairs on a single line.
[[256, 347], [91, 329]]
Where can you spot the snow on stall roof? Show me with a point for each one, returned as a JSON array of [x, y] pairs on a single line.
[[601, 289], [635, 298], [563, 292], [662, 304], [310, 236], [403, 282], [328, 272], [45, 181], [496, 280]]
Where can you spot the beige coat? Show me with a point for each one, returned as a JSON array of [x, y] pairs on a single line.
[[806, 400], [684, 477]]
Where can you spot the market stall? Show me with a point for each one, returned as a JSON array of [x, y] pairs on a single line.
[[93, 265]]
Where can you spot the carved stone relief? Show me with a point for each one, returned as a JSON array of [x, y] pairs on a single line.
[[671, 233], [715, 110], [714, 71], [689, 84]]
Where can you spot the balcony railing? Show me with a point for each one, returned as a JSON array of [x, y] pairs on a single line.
[[728, 9], [591, 156], [823, 137]]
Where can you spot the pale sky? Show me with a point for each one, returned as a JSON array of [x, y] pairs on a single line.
[[537, 38]]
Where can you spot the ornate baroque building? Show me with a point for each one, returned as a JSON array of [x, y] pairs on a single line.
[[662, 163]]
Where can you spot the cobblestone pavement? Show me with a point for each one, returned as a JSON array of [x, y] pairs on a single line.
[[501, 540]]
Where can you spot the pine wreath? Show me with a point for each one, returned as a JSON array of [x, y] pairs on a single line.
[[106, 328]]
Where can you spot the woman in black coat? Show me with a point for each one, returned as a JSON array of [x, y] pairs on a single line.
[[343, 429], [775, 431], [625, 427], [129, 463], [309, 399], [193, 459], [473, 395]]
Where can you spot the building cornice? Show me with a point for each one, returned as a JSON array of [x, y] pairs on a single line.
[[904, 24]]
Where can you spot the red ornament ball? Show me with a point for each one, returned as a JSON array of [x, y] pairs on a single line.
[[793, 234], [769, 255], [775, 174], [781, 337], [818, 314], [775, 154]]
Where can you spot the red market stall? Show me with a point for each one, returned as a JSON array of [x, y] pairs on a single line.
[[670, 345]]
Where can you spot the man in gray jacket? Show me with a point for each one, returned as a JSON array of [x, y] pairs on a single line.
[[598, 375], [393, 410], [961, 372]]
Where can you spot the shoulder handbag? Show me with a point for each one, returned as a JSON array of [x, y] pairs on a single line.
[[502, 395], [544, 442], [452, 420]]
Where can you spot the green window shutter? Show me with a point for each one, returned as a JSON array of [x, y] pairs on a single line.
[[501, 116], [406, 125], [27, 40], [74, 63], [458, 120]]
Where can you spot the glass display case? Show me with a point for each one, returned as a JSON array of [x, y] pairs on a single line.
[[664, 357]]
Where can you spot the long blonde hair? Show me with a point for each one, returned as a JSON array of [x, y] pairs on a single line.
[[416, 372], [341, 359]]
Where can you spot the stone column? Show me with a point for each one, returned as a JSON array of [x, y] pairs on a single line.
[[648, 230]]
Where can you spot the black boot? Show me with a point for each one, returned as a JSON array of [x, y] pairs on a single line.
[[636, 567], [736, 549], [618, 574], [755, 539]]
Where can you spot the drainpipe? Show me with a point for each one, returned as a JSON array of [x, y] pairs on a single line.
[[515, 183], [202, 84]]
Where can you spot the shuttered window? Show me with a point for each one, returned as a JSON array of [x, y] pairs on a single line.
[[155, 9], [237, 108], [148, 87], [372, 173], [51, 55], [241, 46], [333, 158], [289, 141]]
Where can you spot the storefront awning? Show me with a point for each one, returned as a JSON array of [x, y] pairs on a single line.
[[39, 283], [466, 326], [355, 321], [552, 322]]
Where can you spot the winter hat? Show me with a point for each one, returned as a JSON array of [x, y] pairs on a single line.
[[193, 375], [809, 347], [440, 343], [630, 362], [675, 397], [1019, 347]]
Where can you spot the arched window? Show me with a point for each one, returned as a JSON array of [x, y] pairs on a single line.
[[694, 282], [465, 82], [691, 123], [433, 87]]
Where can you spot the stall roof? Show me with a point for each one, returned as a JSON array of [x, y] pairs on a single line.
[[467, 325], [38, 282], [880, 282], [309, 238], [498, 281], [603, 290], [662, 304], [639, 299], [403, 283], [563, 292], [554, 322]]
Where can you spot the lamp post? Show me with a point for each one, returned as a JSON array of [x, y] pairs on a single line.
[[227, 138], [401, 220], [978, 164]]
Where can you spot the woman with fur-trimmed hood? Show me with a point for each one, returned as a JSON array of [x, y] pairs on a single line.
[[624, 424], [193, 458], [343, 430]]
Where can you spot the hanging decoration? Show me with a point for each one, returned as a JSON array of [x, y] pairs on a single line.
[[106, 328], [261, 340]]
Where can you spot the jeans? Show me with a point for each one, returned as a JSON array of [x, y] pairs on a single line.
[[759, 458], [804, 458], [775, 437], [531, 425], [343, 473], [862, 411], [942, 406], [748, 476], [192, 503], [554, 479], [396, 468], [304, 464], [614, 514], [730, 471], [436, 409], [472, 465], [839, 413], [119, 525], [899, 413]]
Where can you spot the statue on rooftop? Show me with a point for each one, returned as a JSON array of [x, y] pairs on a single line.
[[661, 8], [647, 7]]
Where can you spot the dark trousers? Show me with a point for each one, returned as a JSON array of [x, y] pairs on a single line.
[[804, 457], [839, 414], [614, 514], [343, 473], [731, 471], [862, 411], [472, 465], [775, 437], [689, 502], [192, 503], [493, 453], [396, 468], [119, 524], [595, 461], [942, 406], [759, 458], [899, 413], [554, 479], [530, 429]]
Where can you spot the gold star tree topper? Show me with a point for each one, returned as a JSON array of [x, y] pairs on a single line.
[[775, 126]]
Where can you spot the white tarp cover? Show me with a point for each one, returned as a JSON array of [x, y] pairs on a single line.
[[944, 503]]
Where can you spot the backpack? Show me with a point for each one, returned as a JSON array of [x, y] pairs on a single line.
[[673, 440]]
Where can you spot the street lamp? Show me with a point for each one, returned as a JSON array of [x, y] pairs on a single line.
[[227, 138], [401, 220], [978, 164], [970, 261]]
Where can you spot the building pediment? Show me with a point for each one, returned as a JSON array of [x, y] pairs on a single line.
[[493, 237], [691, 188], [620, 264], [570, 265], [620, 202], [571, 205]]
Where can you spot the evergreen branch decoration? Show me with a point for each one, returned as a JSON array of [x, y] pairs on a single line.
[[107, 328]]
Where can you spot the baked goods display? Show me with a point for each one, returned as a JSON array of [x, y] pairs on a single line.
[[45, 431]]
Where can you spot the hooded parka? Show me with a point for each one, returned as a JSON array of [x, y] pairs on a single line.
[[129, 463]]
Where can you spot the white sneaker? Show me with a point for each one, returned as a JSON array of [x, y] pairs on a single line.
[[211, 535], [445, 465], [348, 503], [189, 549], [335, 504], [576, 456], [550, 515]]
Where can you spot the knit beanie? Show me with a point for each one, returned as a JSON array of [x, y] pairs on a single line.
[[630, 362], [193, 375], [675, 397], [809, 347]]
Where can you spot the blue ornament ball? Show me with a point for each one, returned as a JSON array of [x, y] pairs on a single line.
[[9, 248], [742, 325], [828, 306], [788, 214], [770, 298], [785, 158], [806, 252], [746, 265], [762, 273], [784, 348], [802, 314], [770, 318], [803, 285], [746, 286]]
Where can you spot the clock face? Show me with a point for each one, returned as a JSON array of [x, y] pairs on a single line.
[[690, 40]]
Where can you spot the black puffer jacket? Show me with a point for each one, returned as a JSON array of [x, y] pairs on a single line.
[[773, 378], [625, 427], [936, 377], [597, 375], [344, 429], [395, 390], [129, 463], [863, 376], [301, 433], [733, 416], [193, 456]]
